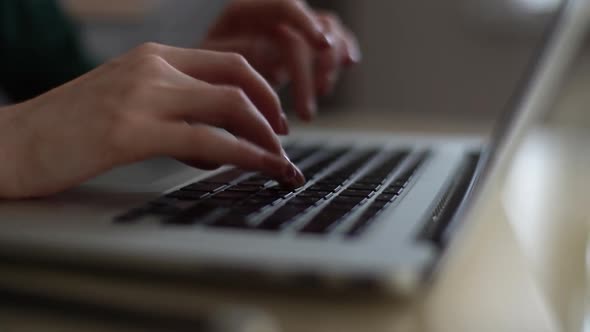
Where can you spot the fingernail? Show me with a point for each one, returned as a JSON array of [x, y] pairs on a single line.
[[355, 56], [286, 157], [290, 174], [285, 124], [300, 177], [294, 178], [325, 40], [312, 108], [330, 40]]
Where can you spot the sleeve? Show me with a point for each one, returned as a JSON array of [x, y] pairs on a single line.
[[39, 48]]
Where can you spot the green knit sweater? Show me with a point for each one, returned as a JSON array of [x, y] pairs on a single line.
[[39, 48]]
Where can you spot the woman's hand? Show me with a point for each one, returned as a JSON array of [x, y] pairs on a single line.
[[286, 41], [203, 107]]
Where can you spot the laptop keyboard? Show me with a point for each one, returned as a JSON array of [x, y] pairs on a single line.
[[346, 190]]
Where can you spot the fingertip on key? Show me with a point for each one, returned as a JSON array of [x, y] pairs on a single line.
[[292, 177]]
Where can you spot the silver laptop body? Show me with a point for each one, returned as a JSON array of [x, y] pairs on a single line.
[[90, 227]]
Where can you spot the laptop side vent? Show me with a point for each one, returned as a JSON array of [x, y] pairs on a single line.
[[449, 203]]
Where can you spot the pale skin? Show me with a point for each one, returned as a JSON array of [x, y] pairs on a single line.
[[211, 106]]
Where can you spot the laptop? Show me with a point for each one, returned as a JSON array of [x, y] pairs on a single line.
[[378, 210]]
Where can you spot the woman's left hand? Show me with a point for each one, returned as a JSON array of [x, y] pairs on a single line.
[[286, 41]]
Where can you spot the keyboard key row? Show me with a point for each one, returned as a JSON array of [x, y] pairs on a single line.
[[353, 196], [387, 196], [178, 202], [249, 196], [226, 200], [302, 201]]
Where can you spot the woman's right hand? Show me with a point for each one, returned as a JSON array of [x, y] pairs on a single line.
[[206, 108]]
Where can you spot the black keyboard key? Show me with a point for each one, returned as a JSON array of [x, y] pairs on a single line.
[[256, 182], [356, 193], [325, 220], [358, 186], [393, 189], [314, 194], [347, 200], [247, 209], [281, 217], [328, 186], [187, 195], [232, 220], [193, 215], [269, 196], [333, 180], [279, 190], [305, 201], [289, 211], [273, 223], [384, 197], [368, 182], [204, 187], [379, 205], [246, 188], [323, 187], [232, 195], [328, 159], [374, 179], [259, 200], [375, 208], [368, 216]]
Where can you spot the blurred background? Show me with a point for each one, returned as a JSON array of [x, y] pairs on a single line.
[[460, 59], [454, 60]]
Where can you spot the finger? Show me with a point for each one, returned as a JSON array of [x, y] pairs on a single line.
[[279, 76], [220, 106], [327, 72], [353, 50], [266, 14], [328, 63], [228, 69], [346, 40], [261, 52], [298, 58], [218, 147]]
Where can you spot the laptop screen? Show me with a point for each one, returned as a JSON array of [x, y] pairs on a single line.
[[541, 88], [538, 87], [457, 61]]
